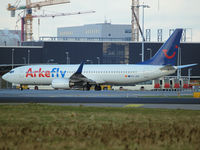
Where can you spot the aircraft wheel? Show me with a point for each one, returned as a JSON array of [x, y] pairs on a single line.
[[36, 87], [97, 88], [86, 87], [21, 88]]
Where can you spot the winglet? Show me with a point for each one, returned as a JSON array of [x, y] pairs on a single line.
[[80, 68]]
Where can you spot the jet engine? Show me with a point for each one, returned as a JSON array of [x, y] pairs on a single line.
[[61, 83]]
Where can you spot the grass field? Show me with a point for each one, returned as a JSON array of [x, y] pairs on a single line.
[[34, 126]]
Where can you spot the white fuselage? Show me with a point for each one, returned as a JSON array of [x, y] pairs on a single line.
[[101, 74]]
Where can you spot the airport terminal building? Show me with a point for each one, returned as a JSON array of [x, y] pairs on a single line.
[[10, 37], [98, 44], [63, 52], [97, 52], [93, 32]]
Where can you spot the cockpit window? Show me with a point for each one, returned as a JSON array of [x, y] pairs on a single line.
[[12, 71]]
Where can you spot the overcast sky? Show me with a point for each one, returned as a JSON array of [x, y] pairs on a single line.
[[168, 14]]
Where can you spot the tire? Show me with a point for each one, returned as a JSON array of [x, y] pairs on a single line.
[[97, 88], [21, 88], [86, 87], [105, 88]]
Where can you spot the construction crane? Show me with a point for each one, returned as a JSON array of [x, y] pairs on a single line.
[[48, 15], [27, 34]]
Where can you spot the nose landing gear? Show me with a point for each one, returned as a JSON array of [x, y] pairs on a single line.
[[36, 88], [21, 87]]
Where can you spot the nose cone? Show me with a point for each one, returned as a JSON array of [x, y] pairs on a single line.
[[5, 77]]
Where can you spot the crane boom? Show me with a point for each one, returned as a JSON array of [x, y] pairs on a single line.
[[37, 4], [47, 3], [63, 14]]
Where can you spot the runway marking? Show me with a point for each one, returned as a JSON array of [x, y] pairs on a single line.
[[133, 105]]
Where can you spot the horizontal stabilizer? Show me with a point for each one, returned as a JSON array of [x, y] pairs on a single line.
[[185, 66]]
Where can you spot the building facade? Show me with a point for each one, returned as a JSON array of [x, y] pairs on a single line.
[[95, 52], [103, 52], [97, 32], [10, 37]]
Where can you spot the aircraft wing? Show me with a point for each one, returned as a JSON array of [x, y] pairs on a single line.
[[79, 77]]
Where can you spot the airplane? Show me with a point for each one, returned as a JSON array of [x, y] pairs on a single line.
[[87, 75]]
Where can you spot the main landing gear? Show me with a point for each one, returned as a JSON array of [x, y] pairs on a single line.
[[97, 88], [21, 87], [86, 87]]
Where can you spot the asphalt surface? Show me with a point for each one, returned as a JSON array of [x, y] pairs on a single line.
[[114, 100], [78, 93], [145, 99], [157, 106]]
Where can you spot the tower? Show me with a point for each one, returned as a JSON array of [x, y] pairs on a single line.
[[135, 28]]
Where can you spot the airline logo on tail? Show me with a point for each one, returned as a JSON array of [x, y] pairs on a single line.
[[167, 56]]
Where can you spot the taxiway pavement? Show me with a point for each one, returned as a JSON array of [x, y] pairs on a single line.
[[146, 99]]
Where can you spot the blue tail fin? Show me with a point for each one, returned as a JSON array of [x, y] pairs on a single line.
[[168, 52]]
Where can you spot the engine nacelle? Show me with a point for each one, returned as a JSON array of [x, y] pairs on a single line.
[[60, 83]]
